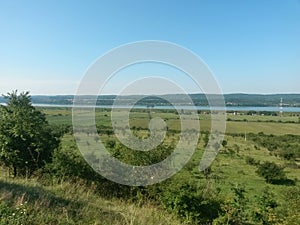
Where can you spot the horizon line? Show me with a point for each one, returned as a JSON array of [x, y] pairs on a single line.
[[231, 93]]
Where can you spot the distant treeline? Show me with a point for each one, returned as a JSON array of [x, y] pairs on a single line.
[[198, 99]]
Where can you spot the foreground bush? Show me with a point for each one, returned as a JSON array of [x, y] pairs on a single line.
[[26, 139], [191, 202]]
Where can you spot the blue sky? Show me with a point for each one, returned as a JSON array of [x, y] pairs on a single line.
[[251, 46]]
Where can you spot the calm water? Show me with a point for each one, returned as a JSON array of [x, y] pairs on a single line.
[[228, 108]]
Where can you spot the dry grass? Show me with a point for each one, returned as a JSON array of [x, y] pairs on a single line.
[[68, 203]]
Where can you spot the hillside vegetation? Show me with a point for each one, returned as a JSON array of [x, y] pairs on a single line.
[[198, 99], [253, 180]]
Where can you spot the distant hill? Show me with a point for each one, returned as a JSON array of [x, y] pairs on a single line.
[[292, 100], [262, 100]]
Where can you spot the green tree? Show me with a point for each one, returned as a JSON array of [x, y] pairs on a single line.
[[26, 139]]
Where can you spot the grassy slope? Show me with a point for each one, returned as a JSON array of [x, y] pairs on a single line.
[[70, 204]]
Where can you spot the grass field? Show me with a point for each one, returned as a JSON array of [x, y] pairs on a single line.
[[277, 125]]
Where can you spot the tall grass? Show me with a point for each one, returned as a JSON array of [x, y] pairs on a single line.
[[28, 202]]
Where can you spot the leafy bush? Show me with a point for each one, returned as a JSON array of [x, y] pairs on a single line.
[[192, 203], [290, 209], [251, 161], [264, 212], [234, 210], [271, 172], [68, 164]]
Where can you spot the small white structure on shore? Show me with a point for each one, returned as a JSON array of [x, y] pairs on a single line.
[[281, 107]]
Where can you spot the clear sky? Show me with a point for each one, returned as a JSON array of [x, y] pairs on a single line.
[[251, 46]]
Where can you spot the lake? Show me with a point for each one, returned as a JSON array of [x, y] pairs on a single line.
[[228, 108]]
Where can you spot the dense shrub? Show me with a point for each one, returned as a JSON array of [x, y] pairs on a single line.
[[290, 209], [264, 211], [251, 161], [234, 210], [286, 146], [68, 164], [271, 172], [192, 203]]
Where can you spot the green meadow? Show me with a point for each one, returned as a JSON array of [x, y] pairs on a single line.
[[278, 125]]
